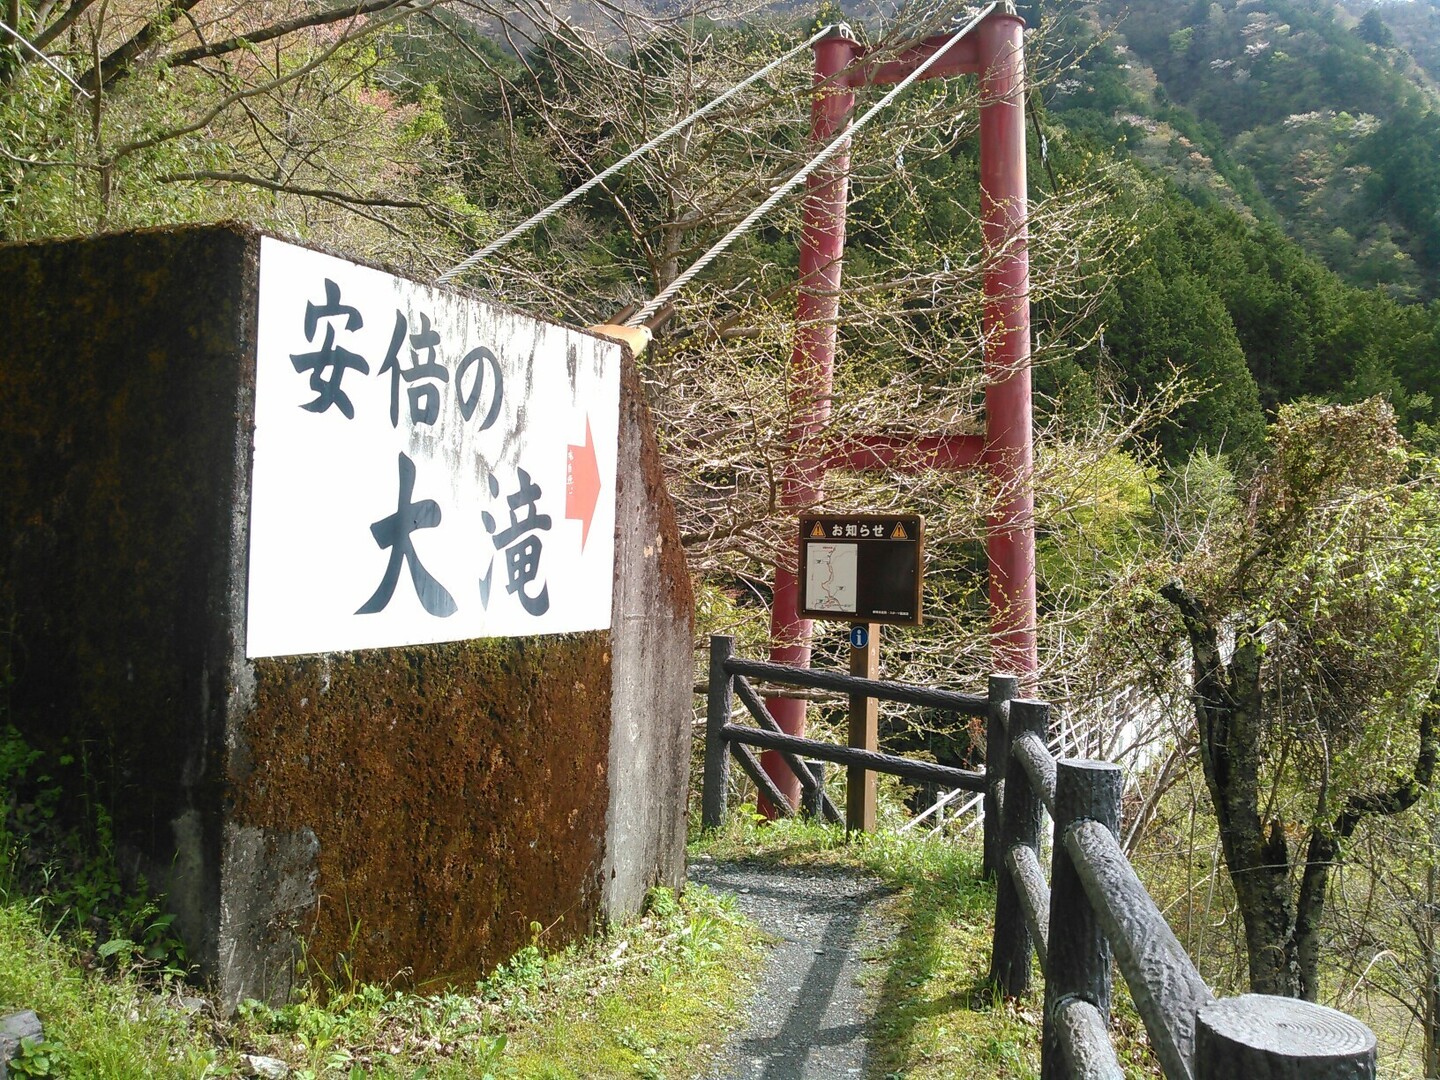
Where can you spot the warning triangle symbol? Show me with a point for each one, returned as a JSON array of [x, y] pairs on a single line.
[[899, 533], [817, 530]]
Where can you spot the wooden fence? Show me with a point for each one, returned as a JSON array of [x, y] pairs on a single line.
[[1091, 916], [730, 677]]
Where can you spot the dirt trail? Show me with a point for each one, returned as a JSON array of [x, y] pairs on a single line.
[[809, 1016]]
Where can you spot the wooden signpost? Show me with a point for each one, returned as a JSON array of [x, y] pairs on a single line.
[[867, 568]]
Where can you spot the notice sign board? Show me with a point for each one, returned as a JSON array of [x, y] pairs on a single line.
[[863, 568], [427, 467]]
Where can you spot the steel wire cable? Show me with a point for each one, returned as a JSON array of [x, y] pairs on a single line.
[[565, 200], [663, 297]]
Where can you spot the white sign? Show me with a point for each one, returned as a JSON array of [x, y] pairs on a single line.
[[831, 574], [427, 467]]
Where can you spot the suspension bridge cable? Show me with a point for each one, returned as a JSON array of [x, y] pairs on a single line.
[[649, 309], [44, 59], [560, 204]]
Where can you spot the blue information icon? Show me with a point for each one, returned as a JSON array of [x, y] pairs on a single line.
[[859, 636]]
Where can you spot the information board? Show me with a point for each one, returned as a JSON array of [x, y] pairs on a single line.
[[427, 467], [862, 567]]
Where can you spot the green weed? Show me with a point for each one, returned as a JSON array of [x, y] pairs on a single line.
[[100, 963], [39, 1059], [676, 973], [69, 869]]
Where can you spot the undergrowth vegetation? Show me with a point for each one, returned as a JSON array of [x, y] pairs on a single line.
[[648, 999], [645, 1000], [58, 850], [653, 998], [95, 958]]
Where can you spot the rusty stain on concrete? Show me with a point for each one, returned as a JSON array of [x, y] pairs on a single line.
[[458, 793]]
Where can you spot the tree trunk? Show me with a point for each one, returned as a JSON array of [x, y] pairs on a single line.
[[1260, 873], [1309, 908], [1432, 1018], [1432, 965], [1282, 938], [1229, 708]]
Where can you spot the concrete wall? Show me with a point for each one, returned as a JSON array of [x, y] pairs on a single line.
[[122, 388], [652, 675], [400, 812]]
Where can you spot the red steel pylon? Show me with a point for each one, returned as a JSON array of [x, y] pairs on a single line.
[[995, 51]]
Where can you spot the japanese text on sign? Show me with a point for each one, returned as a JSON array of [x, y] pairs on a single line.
[[427, 467], [863, 568]]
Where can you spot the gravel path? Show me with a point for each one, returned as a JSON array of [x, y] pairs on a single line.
[[809, 1014]]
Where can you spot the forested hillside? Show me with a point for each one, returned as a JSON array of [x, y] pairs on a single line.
[[1292, 151], [1413, 25], [1286, 109]]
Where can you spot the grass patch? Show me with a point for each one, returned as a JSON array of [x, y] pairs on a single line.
[[676, 975], [95, 1026], [650, 999], [652, 1003], [937, 1014]]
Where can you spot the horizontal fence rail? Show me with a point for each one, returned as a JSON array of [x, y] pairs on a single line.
[[1093, 911], [1095, 908], [881, 690], [730, 678], [910, 768]]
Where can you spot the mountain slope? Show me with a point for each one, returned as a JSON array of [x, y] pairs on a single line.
[[1293, 111]]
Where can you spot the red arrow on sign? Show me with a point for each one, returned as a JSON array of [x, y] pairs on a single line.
[[582, 483]]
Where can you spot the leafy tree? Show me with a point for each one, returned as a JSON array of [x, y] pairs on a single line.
[[1372, 29], [287, 115], [1403, 153], [1416, 28], [1165, 318], [1325, 711]]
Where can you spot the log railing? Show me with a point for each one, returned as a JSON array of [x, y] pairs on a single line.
[[1093, 915], [730, 678]]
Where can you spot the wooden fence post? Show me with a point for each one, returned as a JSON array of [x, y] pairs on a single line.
[[812, 800], [1260, 1035], [864, 734], [997, 753], [1012, 948], [717, 715], [1079, 954]]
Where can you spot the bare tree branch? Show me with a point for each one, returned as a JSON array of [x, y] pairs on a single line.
[[280, 29], [60, 25], [228, 100], [118, 60], [292, 189]]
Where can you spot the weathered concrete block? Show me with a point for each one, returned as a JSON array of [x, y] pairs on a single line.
[[401, 811], [13, 1029]]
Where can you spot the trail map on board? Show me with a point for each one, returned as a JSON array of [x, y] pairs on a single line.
[[862, 567], [830, 576]]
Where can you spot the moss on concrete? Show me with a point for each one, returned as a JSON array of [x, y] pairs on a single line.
[[458, 793]]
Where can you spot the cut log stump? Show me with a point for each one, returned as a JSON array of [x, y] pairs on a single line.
[[1260, 1037]]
